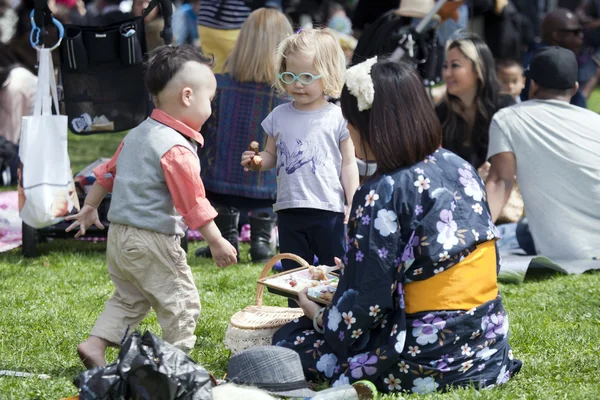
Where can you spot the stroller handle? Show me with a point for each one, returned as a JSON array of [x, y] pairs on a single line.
[[166, 7]]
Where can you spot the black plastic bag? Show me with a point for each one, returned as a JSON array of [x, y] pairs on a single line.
[[147, 368]]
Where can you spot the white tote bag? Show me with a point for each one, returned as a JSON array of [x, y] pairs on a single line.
[[46, 190]]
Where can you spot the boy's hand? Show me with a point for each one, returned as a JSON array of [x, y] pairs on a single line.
[[86, 217], [246, 157], [223, 253]]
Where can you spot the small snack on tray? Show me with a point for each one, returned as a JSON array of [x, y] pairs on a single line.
[[318, 273]]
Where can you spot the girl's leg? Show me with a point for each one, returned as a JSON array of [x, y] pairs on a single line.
[[293, 238], [328, 236]]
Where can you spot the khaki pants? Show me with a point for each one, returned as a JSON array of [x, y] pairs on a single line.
[[218, 43], [148, 269]]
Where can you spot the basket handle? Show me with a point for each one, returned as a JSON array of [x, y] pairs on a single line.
[[265, 272]]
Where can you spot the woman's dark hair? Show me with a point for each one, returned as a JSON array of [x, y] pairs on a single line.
[[401, 128], [486, 98]]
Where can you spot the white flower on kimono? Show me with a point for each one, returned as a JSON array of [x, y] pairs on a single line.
[[477, 208], [374, 310], [422, 183], [475, 234], [333, 319], [341, 381], [424, 385], [356, 334], [299, 340], [490, 235], [414, 350], [384, 323], [467, 166], [438, 270], [386, 222], [419, 171], [447, 228], [476, 334], [359, 211], [393, 383], [503, 376], [464, 367], [466, 350], [426, 330], [403, 367], [510, 355], [348, 319], [400, 341], [394, 329], [327, 363], [296, 320], [472, 187], [418, 271], [486, 353], [481, 367], [308, 332], [472, 311], [444, 256], [318, 343], [371, 198]]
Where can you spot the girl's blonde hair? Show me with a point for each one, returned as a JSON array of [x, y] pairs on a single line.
[[330, 61], [251, 59]]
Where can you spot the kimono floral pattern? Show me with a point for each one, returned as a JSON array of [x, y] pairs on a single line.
[[407, 226]]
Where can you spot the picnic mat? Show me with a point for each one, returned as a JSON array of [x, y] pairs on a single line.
[[10, 223], [515, 266]]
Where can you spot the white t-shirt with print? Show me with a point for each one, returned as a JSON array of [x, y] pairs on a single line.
[[557, 151], [309, 161]]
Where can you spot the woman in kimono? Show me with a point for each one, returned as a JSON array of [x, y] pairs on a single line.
[[417, 306]]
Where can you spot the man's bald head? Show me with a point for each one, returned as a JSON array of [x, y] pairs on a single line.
[[562, 27], [168, 62]]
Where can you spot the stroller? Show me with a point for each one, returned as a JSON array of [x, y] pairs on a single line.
[[103, 91]]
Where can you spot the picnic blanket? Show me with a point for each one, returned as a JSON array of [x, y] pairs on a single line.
[[515, 266], [10, 223]]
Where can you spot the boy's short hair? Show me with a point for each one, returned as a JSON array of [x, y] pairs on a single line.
[[507, 63], [165, 61], [330, 61]]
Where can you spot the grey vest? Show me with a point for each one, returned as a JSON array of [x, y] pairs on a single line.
[[140, 196]]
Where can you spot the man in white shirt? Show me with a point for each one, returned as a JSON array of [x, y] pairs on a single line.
[[553, 149]]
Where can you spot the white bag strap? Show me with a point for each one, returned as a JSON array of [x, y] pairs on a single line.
[[46, 88]]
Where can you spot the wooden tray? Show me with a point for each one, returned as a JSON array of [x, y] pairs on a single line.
[[279, 284]]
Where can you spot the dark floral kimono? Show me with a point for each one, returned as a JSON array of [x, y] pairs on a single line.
[[408, 226]]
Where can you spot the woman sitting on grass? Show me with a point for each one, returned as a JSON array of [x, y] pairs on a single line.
[[417, 306]]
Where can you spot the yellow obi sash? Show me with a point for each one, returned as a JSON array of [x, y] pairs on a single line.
[[468, 284]]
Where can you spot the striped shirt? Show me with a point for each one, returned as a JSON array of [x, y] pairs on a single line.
[[223, 14]]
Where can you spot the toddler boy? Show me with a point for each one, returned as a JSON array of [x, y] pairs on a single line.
[[154, 178]]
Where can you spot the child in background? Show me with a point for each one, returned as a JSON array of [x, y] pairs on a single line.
[[511, 78], [309, 144], [154, 178]]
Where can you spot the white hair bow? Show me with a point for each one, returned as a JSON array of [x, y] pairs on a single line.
[[360, 84]]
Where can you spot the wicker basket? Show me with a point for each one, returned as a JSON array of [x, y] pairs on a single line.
[[256, 324]]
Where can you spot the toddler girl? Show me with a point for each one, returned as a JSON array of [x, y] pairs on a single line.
[[310, 146]]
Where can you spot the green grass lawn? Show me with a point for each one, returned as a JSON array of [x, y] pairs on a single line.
[[49, 304]]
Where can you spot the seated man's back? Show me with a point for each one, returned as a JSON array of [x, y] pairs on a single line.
[[557, 151]]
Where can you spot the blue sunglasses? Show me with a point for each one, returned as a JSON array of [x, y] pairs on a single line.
[[304, 78]]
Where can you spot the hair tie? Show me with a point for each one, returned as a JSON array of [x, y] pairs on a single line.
[[360, 83], [299, 30]]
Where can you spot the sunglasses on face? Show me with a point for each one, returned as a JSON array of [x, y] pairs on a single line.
[[304, 78], [575, 31]]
